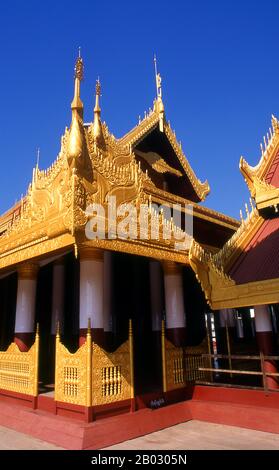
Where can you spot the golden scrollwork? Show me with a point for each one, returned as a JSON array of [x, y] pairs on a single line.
[[175, 370], [71, 374], [180, 365], [111, 375], [92, 376]]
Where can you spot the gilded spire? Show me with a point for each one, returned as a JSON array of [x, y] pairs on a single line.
[[97, 109], [97, 125], [75, 145], [77, 103]]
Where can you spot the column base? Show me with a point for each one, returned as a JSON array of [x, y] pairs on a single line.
[[24, 341], [96, 333], [177, 336]]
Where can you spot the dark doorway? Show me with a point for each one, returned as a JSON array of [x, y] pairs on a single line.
[[69, 334], [131, 299], [8, 292], [43, 318]]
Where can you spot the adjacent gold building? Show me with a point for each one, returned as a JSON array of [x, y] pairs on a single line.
[[52, 273]]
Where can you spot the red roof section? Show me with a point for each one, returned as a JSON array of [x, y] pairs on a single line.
[[272, 175], [259, 260]]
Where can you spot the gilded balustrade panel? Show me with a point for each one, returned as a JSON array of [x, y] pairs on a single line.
[[71, 378], [175, 367], [111, 375], [194, 359], [92, 376], [181, 365], [19, 370]]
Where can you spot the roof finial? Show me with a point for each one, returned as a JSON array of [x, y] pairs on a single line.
[[97, 108], [38, 157], [97, 125], [77, 103], [158, 103], [158, 79], [75, 143]]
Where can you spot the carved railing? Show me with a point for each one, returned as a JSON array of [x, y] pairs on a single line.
[[19, 370], [73, 373], [181, 366], [92, 376]]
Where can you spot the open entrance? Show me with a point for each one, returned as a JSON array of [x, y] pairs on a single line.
[[69, 328], [8, 292], [131, 299], [43, 318]]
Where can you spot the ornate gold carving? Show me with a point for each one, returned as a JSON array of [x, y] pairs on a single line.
[[269, 150], [71, 380], [111, 375], [35, 250], [158, 163], [202, 189], [92, 376], [181, 365], [210, 276], [225, 257], [175, 370], [52, 215], [141, 248], [19, 370], [79, 69], [220, 290], [265, 194]]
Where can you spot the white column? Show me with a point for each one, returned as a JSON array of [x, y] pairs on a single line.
[[25, 305], [58, 288], [175, 315], [91, 294], [174, 303], [262, 319], [156, 294], [227, 318], [107, 291]]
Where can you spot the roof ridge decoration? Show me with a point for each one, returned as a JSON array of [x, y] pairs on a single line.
[[209, 275], [211, 269], [262, 191], [202, 188], [223, 256], [157, 117], [150, 121]]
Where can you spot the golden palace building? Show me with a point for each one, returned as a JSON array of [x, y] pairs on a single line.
[[134, 334]]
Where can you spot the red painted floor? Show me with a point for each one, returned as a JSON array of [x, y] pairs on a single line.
[[235, 407]]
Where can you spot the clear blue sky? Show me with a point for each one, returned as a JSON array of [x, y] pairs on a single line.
[[220, 69]]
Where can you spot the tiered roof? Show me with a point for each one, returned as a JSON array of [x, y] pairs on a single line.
[[92, 164], [246, 270]]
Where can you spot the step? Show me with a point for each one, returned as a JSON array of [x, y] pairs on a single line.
[[72, 434]]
